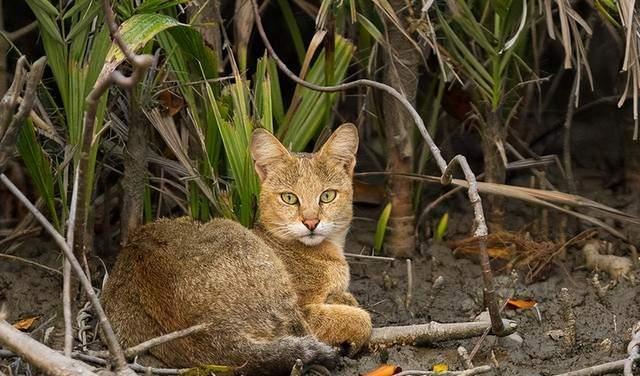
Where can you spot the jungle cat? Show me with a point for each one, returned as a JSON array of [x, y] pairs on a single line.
[[271, 295]]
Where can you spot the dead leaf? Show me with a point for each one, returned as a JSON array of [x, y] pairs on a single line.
[[383, 370], [521, 304], [25, 324], [172, 102], [440, 367]]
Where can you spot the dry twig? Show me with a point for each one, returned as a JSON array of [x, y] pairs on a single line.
[[40, 355], [430, 333], [153, 342], [10, 119]]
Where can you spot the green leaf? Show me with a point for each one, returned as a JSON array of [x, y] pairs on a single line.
[[45, 20], [381, 228], [307, 116], [39, 168], [78, 6], [46, 6], [154, 6], [136, 32], [85, 21], [294, 30], [371, 29], [441, 229]]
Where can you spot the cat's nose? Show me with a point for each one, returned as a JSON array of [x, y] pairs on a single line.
[[311, 224]]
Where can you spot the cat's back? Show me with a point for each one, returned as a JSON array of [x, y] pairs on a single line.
[[189, 259], [175, 273]]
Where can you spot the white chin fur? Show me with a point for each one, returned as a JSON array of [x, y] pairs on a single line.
[[311, 240]]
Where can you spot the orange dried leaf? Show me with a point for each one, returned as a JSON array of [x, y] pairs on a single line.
[[440, 367], [25, 324], [521, 304], [172, 102], [383, 370]]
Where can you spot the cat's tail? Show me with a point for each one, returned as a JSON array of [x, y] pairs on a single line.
[[277, 357]]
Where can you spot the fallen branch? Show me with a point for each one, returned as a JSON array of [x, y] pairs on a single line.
[[39, 355], [431, 333], [480, 226], [469, 372], [600, 369]]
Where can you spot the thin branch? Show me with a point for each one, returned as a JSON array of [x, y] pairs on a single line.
[[26, 261], [600, 369], [114, 347], [135, 367], [153, 342], [10, 122], [446, 169], [369, 257], [66, 270], [17, 34]]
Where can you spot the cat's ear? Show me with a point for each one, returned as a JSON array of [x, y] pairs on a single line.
[[342, 146], [266, 151]]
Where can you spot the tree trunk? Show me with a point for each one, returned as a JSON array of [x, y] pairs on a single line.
[[401, 73], [493, 136], [135, 170]]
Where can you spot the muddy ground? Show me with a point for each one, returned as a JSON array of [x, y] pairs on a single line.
[[603, 326]]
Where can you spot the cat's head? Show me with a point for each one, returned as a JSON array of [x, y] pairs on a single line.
[[306, 197]]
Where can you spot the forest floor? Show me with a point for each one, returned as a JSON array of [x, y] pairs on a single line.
[[603, 323]]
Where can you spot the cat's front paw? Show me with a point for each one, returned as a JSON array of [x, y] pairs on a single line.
[[340, 325], [342, 297]]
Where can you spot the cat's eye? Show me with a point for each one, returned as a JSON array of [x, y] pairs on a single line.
[[328, 196], [289, 198]]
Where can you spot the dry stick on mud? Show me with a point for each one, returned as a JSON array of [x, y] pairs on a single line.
[[39, 355], [480, 225], [431, 333]]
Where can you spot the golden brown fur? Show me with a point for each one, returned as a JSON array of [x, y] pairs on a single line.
[[270, 294]]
